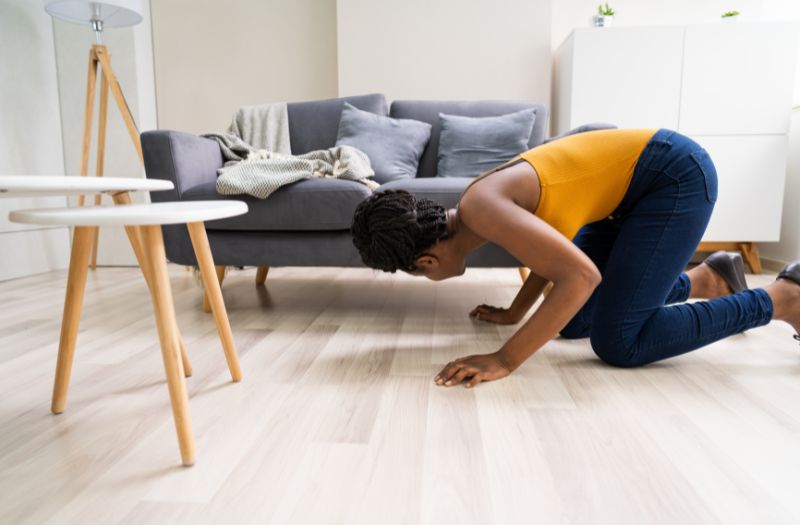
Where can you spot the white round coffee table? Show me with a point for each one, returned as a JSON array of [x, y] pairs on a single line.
[[48, 185], [118, 188], [144, 224]]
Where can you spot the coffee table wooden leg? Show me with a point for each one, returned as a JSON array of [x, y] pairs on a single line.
[[202, 252], [164, 309], [135, 238], [76, 284], [220, 277]]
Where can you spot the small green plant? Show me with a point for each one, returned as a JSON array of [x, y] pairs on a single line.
[[729, 14], [605, 10]]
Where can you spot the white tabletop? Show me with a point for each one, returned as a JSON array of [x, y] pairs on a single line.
[[44, 185], [132, 214]]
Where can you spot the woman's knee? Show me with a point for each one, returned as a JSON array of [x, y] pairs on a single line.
[[611, 350], [573, 331]]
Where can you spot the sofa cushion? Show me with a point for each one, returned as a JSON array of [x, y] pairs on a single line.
[[444, 190], [428, 111], [314, 125], [319, 204], [469, 146], [393, 146]]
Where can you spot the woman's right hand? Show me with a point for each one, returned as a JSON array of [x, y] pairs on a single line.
[[493, 314]]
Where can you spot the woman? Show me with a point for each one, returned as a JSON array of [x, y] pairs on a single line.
[[634, 203]]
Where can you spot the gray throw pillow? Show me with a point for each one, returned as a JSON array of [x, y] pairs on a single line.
[[469, 146], [393, 145]]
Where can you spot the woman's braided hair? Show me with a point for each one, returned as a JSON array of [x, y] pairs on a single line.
[[392, 228]]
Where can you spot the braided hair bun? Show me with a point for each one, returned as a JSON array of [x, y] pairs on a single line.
[[392, 228]]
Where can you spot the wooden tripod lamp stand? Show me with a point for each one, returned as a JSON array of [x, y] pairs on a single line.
[[99, 15]]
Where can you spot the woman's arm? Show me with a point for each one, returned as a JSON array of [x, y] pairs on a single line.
[[550, 255]]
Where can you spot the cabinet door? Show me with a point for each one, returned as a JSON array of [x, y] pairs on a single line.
[[738, 78], [627, 76], [751, 172]]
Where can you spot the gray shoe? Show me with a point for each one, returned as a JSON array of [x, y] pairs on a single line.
[[730, 267], [791, 272]]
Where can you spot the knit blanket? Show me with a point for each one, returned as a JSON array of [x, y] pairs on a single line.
[[258, 158], [264, 171]]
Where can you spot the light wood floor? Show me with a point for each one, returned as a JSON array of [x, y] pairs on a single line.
[[337, 419]]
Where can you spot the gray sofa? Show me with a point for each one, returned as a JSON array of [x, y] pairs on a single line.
[[307, 223]]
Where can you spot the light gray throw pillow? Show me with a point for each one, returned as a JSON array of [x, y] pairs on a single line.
[[393, 145], [469, 146]]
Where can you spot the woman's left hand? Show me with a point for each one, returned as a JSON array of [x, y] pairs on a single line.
[[475, 369]]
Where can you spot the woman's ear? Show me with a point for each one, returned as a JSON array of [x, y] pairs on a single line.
[[427, 261]]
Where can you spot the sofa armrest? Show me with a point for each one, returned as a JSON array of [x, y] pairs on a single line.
[[185, 159]]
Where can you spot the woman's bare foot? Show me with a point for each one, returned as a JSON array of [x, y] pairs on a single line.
[[785, 295], [706, 283]]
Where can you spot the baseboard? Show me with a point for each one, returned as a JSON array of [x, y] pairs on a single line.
[[773, 265]]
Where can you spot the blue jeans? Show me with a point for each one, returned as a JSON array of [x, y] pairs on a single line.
[[641, 251]]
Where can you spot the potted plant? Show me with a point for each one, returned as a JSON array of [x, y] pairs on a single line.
[[730, 16], [604, 16]]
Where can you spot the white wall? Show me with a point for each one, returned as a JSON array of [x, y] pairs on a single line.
[[212, 57], [445, 49], [30, 135]]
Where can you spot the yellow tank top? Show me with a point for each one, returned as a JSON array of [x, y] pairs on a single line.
[[585, 176]]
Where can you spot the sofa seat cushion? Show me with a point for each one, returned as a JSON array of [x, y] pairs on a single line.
[[444, 190], [307, 205]]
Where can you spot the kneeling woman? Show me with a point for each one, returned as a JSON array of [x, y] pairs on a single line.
[[611, 218]]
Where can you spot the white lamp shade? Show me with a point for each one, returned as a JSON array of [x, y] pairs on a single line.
[[113, 13]]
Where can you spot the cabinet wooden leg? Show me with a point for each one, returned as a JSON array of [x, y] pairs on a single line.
[[524, 273], [164, 309], [751, 256], [76, 283], [261, 275], [211, 282], [749, 251]]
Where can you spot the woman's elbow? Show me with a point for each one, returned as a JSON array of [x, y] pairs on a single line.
[[589, 278], [581, 281], [594, 277]]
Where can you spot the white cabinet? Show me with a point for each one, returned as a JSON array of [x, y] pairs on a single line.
[[737, 79], [728, 86], [751, 170], [612, 80]]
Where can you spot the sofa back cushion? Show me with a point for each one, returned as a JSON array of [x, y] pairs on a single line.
[[393, 146], [428, 111], [469, 146], [313, 125]]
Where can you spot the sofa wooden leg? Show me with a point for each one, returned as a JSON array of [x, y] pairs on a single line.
[[524, 273], [261, 275], [220, 277]]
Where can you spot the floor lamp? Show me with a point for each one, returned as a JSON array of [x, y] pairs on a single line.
[[99, 15]]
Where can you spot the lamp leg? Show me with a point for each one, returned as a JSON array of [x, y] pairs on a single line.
[[91, 80], [101, 153], [105, 62]]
